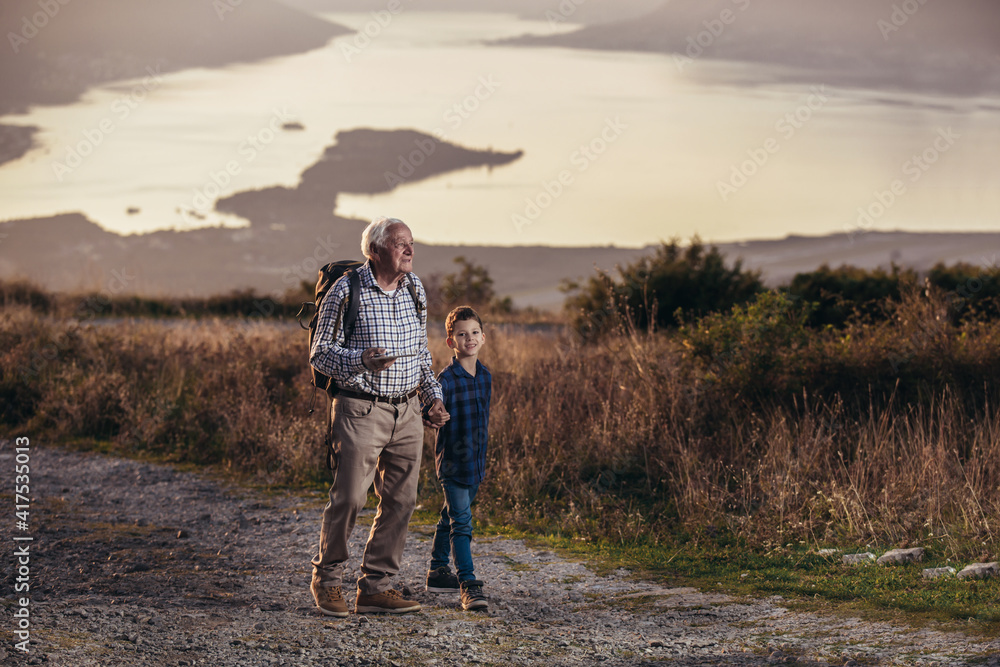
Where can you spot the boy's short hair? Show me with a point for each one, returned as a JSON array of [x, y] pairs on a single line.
[[458, 315]]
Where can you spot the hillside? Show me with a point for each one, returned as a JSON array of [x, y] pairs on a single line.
[[938, 48], [574, 11], [82, 44], [211, 261]]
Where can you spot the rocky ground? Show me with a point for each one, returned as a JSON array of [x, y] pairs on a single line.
[[139, 564]]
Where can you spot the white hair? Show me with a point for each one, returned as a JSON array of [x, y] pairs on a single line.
[[377, 234]]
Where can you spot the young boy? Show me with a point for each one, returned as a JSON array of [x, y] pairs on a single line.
[[460, 457]]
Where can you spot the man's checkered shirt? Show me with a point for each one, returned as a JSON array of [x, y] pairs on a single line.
[[384, 320]]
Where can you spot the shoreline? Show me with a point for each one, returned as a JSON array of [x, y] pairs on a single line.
[[806, 43], [16, 141], [80, 46]]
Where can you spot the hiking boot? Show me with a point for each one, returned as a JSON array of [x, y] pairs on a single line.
[[472, 595], [329, 600], [441, 580], [387, 602]]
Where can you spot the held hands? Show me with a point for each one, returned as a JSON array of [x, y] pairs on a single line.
[[436, 416], [371, 361]]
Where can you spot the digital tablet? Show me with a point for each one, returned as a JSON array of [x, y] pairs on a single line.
[[392, 356]]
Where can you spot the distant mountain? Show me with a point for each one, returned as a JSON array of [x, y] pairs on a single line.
[[57, 50], [780, 259], [938, 47], [570, 11], [71, 253]]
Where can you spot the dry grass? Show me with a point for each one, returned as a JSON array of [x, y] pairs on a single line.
[[234, 393], [630, 439]]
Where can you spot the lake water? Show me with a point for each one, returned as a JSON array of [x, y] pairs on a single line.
[[620, 148]]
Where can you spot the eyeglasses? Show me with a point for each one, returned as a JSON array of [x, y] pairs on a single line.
[[400, 245]]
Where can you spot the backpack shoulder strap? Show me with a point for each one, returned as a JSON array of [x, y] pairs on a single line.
[[413, 293], [353, 303]]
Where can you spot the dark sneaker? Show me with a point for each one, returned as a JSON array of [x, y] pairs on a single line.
[[441, 580], [329, 600], [386, 602], [472, 595]]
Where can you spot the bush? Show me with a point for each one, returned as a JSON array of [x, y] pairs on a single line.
[[973, 292], [749, 348], [851, 293], [245, 303], [470, 286], [24, 293], [656, 291], [839, 295]]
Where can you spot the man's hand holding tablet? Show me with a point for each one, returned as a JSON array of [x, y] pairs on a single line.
[[392, 356]]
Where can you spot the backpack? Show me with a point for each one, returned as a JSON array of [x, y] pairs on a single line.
[[329, 275]]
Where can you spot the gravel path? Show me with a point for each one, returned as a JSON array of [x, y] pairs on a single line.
[[138, 564]]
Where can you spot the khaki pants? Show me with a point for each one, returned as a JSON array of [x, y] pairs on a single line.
[[372, 441]]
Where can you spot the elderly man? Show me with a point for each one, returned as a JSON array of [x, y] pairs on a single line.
[[384, 372]]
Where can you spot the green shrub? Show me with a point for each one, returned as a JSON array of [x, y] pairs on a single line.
[[471, 285], [750, 347], [850, 293], [838, 295], [656, 291], [973, 292]]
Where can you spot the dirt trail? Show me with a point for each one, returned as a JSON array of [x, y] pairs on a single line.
[[138, 564]]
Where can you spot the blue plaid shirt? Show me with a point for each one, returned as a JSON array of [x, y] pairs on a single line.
[[388, 320], [460, 453]]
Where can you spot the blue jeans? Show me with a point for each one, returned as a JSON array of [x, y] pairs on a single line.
[[454, 530]]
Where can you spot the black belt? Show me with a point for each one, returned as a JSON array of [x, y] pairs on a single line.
[[392, 400]]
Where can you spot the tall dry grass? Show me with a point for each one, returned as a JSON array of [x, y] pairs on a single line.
[[222, 392], [882, 433]]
